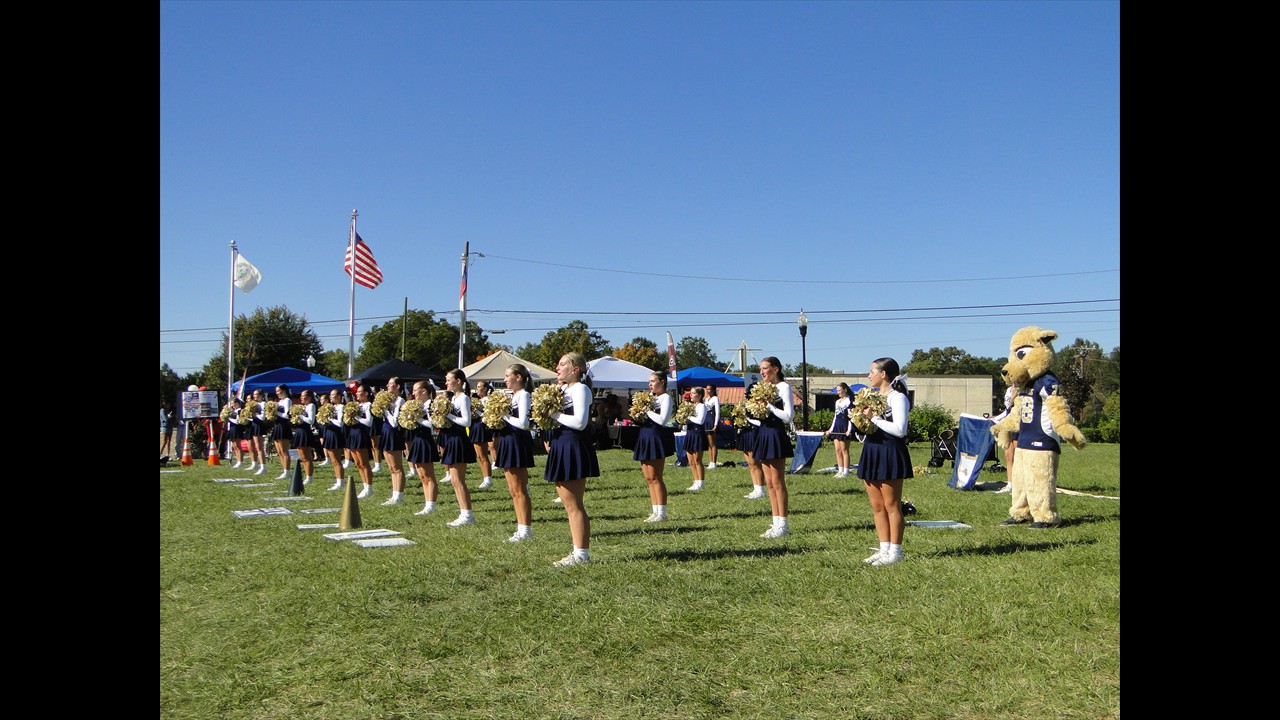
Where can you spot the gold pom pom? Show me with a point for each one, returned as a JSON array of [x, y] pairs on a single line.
[[351, 414], [440, 410], [295, 413], [495, 410], [547, 399], [684, 411], [324, 414], [410, 413], [641, 403]]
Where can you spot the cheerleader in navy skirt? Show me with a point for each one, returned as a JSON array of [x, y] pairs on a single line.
[[257, 446], [839, 430], [773, 447], [282, 429], [482, 436], [885, 461], [514, 453], [653, 446], [456, 448], [334, 438], [392, 442], [236, 432], [360, 440], [695, 438], [712, 423], [571, 454], [422, 452], [746, 440], [303, 437]]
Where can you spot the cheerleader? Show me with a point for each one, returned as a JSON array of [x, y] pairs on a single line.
[[422, 452], [334, 439], [571, 455], [839, 430], [711, 424], [773, 447], [321, 401], [457, 449], [304, 434], [281, 428], [236, 432], [885, 461], [257, 448], [695, 438], [392, 442], [481, 436], [514, 453], [653, 446], [747, 439], [360, 440]]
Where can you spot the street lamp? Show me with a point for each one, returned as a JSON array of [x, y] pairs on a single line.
[[803, 322], [311, 361]]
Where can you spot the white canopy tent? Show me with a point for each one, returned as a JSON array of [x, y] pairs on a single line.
[[491, 368], [617, 374]]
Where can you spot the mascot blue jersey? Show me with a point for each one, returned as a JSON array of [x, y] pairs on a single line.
[[1035, 430]]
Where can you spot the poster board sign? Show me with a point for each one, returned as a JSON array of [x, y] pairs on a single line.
[[200, 404]]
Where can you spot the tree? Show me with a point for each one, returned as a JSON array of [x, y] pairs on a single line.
[[267, 340], [693, 351], [170, 383], [574, 337], [1077, 370], [954, 361], [428, 341], [796, 370], [642, 351]]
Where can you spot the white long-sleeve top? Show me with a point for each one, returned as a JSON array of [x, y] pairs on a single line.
[[336, 420], [713, 407], [842, 406], [282, 409], [309, 414], [579, 397], [392, 414], [788, 410], [897, 426], [699, 414], [523, 403], [365, 417], [461, 416], [663, 415]]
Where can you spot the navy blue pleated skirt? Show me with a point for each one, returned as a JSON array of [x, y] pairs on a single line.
[[392, 439], [771, 442], [884, 457], [695, 438], [514, 449], [358, 437], [571, 456], [422, 447], [457, 446], [302, 437], [651, 443], [335, 438]]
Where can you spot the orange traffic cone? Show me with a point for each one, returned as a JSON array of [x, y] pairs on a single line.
[[213, 444], [186, 452]]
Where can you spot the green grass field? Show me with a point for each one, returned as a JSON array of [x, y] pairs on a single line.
[[695, 618]]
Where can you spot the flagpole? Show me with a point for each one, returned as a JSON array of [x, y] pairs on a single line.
[[351, 322], [231, 323], [462, 304]]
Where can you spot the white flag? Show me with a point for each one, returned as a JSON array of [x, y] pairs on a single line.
[[247, 276]]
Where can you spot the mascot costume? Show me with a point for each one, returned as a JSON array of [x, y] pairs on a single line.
[[1042, 420]]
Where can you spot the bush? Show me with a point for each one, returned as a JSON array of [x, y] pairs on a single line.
[[927, 421], [820, 419]]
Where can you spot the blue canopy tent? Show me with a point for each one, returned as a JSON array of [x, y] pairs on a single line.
[[296, 379], [699, 376]]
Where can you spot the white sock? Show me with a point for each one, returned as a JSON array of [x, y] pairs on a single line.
[[396, 495], [523, 530], [895, 549], [429, 505], [782, 522], [660, 509], [778, 521], [581, 553], [465, 514], [487, 479], [884, 548]]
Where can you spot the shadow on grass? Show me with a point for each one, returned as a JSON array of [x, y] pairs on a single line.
[[1011, 547], [666, 528], [699, 556]]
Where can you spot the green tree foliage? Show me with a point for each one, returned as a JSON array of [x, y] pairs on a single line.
[[332, 364], [574, 337], [1078, 366], [642, 351], [927, 420], [692, 351], [797, 370], [429, 342], [954, 361], [170, 383], [820, 419], [268, 339]]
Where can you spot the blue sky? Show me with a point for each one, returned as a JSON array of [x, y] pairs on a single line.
[[911, 174]]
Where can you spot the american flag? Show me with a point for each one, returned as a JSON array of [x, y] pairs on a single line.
[[367, 272]]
